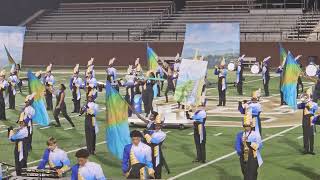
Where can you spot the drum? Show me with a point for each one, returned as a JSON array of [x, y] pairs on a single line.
[[231, 66], [311, 70], [255, 69]]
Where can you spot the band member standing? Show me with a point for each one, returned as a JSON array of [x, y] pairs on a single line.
[[18, 69], [91, 66], [253, 108], [75, 86], [239, 75], [56, 158], [61, 106], [266, 75], [26, 115], [280, 71], [112, 74], [154, 139], [221, 72], [20, 138], [38, 74], [91, 110], [85, 169], [13, 81], [147, 93], [49, 82], [137, 160], [3, 87], [159, 74], [199, 133], [168, 70], [248, 145], [309, 109], [91, 82]]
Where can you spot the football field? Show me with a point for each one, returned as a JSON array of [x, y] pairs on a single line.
[[282, 136]]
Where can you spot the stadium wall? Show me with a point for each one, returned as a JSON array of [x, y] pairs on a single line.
[[69, 53]]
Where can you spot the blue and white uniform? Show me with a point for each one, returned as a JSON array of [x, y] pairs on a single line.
[[137, 160], [56, 159], [90, 171]]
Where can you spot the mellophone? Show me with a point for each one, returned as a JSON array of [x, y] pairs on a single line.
[[47, 173]]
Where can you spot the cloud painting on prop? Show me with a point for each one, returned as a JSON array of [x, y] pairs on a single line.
[[213, 40], [12, 37]]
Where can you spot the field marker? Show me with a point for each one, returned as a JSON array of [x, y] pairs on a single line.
[[300, 137], [227, 155], [71, 151], [46, 127], [68, 128], [167, 132], [190, 134], [218, 134]]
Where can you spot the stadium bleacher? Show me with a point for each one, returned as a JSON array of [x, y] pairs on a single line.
[[117, 21]]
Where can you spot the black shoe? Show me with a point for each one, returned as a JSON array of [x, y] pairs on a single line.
[[219, 104], [57, 125], [312, 153], [195, 161], [305, 152]]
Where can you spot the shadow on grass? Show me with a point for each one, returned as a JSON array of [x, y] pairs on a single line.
[[307, 172]]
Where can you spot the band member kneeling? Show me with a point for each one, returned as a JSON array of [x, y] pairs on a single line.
[[55, 157], [137, 160]]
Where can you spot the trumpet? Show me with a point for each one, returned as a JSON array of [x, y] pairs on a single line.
[[304, 97]]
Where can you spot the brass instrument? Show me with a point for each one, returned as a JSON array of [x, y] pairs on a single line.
[[245, 148]]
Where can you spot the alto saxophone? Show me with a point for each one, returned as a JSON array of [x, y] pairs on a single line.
[[245, 149]]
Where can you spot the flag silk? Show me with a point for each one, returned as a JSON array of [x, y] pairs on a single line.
[[283, 54], [291, 72], [35, 86], [10, 58], [117, 130], [152, 59]]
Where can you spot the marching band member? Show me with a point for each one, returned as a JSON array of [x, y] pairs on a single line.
[[13, 81], [3, 87], [155, 138], [147, 93], [254, 109], [159, 74], [112, 74], [26, 115], [56, 158], [75, 85], [18, 69], [20, 138], [61, 106], [299, 82], [137, 160], [199, 133], [248, 145], [280, 71], [137, 67], [168, 70], [221, 72], [266, 75], [86, 170], [91, 66], [176, 68], [239, 74], [49, 82], [309, 109], [91, 82], [91, 128]]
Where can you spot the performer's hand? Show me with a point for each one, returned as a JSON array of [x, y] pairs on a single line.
[[126, 174], [60, 172], [58, 107], [151, 172]]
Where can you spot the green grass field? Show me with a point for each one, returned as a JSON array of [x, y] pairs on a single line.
[[281, 154]]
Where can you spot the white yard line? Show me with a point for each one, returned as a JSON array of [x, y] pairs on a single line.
[[190, 134], [218, 134], [167, 132], [46, 127], [300, 137], [227, 155], [71, 151], [68, 128]]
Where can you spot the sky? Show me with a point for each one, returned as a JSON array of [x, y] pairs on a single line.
[[12, 37]]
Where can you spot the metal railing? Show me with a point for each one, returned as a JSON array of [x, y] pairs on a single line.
[[130, 35]]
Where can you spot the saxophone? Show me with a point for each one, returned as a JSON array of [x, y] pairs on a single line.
[[245, 148]]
